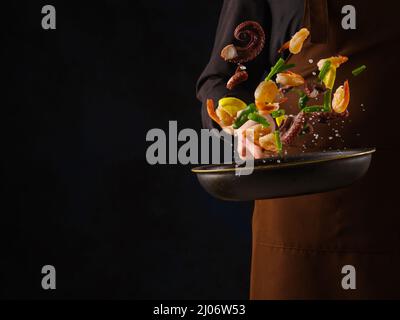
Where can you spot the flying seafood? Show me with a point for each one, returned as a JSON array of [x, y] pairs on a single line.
[[263, 128]]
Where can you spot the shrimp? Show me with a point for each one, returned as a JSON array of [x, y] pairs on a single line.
[[267, 107], [268, 143], [336, 62], [254, 133], [225, 118], [220, 115], [341, 98], [295, 45], [211, 111], [289, 79], [266, 93]]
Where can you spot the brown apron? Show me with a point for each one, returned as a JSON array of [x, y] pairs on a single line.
[[301, 244]]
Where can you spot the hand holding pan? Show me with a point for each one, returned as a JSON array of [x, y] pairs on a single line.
[[275, 177]]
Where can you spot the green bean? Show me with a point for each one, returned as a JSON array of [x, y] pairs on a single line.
[[275, 69], [325, 69], [243, 118], [359, 70], [303, 101], [285, 67], [278, 68], [278, 113], [328, 100], [260, 119], [278, 141]]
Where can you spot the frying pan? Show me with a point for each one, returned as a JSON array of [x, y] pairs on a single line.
[[278, 177]]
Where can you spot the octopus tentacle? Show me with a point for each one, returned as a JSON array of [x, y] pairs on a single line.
[[251, 33], [240, 76], [294, 129]]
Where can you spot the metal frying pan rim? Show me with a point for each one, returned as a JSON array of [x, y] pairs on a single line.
[[200, 170]]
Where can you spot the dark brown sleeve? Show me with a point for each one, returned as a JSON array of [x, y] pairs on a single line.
[[278, 18]]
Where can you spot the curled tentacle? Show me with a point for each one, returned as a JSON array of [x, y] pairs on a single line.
[[252, 34], [240, 76], [294, 129], [286, 124]]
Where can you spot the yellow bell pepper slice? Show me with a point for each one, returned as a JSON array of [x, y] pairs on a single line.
[[231, 105], [279, 120], [330, 78]]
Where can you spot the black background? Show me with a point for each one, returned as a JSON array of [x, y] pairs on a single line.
[[77, 192]]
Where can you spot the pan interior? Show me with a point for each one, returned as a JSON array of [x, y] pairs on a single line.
[[306, 157]]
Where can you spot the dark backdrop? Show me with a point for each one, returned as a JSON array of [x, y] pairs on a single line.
[[77, 192]]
